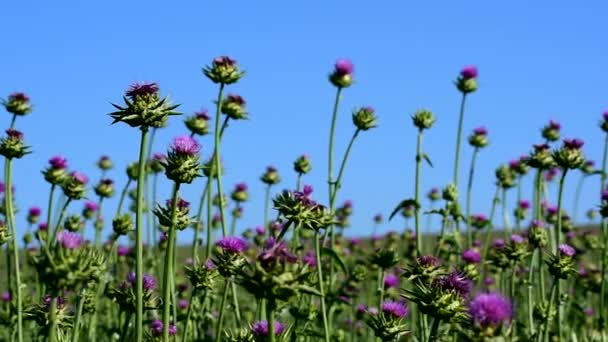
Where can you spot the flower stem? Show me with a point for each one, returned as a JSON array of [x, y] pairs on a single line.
[[198, 225], [469, 194], [168, 270], [50, 207], [13, 120], [505, 215], [530, 300], [491, 225], [10, 216], [270, 320], [604, 256], [209, 190], [267, 208], [321, 287], [188, 315], [98, 231], [434, 334], [76, 328], [577, 196], [220, 320], [459, 138], [216, 157], [419, 247], [58, 225], [122, 197], [558, 233], [139, 264], [53, 318], [380, 287]]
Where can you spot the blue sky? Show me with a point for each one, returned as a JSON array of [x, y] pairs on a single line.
[[537, 60]]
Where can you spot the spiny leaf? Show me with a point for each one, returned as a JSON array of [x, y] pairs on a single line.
[[428, 159], [403, 204], [331, 253]]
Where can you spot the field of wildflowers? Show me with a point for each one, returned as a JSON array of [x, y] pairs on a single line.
[[297, 277]]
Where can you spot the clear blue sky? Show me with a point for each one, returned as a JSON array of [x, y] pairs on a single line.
[[537, 61]]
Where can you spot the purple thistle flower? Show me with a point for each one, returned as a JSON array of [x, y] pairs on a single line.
[[573, 144], [182, 304], [455, 281], [524, 204], [588, 311], [232, 244], [19, 96], [481, 130], [202, 114], [142, 89], [471, 256], [43, 226], [428, 261], [490, 310], [149, 282], [498, 244], [361, 308], [260, 231], [489, 281], [344, 67], [209, 264], [554, 125], [91, 206], [157, 328], [58, 162], [394, 309], [6, 296], [605, 195], [185, 145], [123, 250], [517, 239], [310, 259], [276, 252], [34, 211], [15, 134], [159, 157], [469, 72], [567, 250], [477, 243], [260, 328], [80, 177], [391, 280], [241, 187], [69, 240]]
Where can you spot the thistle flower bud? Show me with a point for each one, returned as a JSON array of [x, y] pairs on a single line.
[[562, 265], [537, 234], [505, 177], [105, 188], [56, 172], [471, 256], [33, 215], [260, 329], [4, 233], [479, 137], [18, 104], [210, 169], [75, 186], [223, 70], [450, 193], [233, 106], [156, 164], [385, 258], [271, 176], [378, 219], [156, 327], [434, 194], [588, 167], [551, 131], [604, 122], [182, 164], [342, 76], [182, 220], [479, 221], [73, 223], [12, 146], [144, 107], [541, 157], [240, 194], [519, 166], [198, 123], [202, 276], [467, 80], [89, 210], [122, 224], [570, 155], [220, 200], [105, 163], [365, 118], [423, 119], [408, 211]]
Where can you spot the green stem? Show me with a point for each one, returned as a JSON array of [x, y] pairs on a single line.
[[167, 272], [434, 334], [122, 197], [10, 216], [491, 225], [13, 120], [517, 219], [58, 225], [53, 318], [220, 320], [459, 138], [150, 217], [152, 203], [577, 196], [380, 287], [188, 315], [330, 155], [234, 219], [209, 189], [216, 157], [299, 182], [125, 328], [270, 319], [50, 207], [98, 231], [505, 215], [139, 264], [267, 208], [604, 256], [469, 194], [198, 225], [76, 328], [321, 287], [419, 247], [558, 226], [547, 326], [235, 302], [530, 300]]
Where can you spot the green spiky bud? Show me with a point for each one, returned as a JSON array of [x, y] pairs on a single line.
[[271, 176], [223, 70], [143, 107], [12, 146], [182, 220], [122, 224], [105, 188], [75, 186], [302, 165], [105, 163], [423, 119], [18, 104], [365, 118], [233, 106], [450, 193], [73, 223]]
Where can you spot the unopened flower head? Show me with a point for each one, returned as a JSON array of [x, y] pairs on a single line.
[[541, 157], [570, 156], [56, 172], [105, 163], [588, 167], [75, 186], [233, 106], [434, 194], [423, 119], [604, 122], [479, 137], [271, 176], [302, 165], [551, 131], [182, 164], [342, 75], [12, 146], [33, 215], [18, 104], [223, 70], [157, 328], [198, 123], [365, 118], [240, 193], [467, 79]]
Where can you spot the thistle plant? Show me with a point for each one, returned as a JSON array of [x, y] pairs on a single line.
[[143, 108]]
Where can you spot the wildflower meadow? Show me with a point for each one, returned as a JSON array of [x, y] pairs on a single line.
[[539, 275]]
